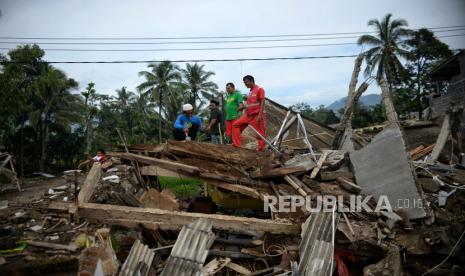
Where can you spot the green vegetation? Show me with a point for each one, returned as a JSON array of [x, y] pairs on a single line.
[[48, 125], [181, 187]]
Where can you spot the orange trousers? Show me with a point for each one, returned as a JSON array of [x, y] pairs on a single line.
[[240, 124]]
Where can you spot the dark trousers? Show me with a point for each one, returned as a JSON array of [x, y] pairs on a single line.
[[179, 135]]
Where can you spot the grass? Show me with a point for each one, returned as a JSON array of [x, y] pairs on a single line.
[[181, 187]]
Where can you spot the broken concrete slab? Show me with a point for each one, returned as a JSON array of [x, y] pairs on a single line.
[[382, 168]]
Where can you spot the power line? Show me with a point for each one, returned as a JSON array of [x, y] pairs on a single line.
[[190, 42], [194, 60], [206, 37], [192, 49], [207, 49]]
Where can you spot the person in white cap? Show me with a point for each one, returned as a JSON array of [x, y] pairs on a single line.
[[187, 124]]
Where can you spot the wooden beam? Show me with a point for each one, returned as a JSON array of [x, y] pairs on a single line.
[[296, 185], [93, 177], [333, 175], [215, 265], [319, 164], [124, 215], [232, 179], [206, 176], [238, 268], [170, 165], [277, 172], [248, 191], [159, 171], [349, 185], [423, 152]]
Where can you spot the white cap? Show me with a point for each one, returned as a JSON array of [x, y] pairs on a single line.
[[187, 107]]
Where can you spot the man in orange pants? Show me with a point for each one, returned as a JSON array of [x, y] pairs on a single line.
[[255, 114]]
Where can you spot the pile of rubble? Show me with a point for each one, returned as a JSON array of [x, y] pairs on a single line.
[[371, 205]]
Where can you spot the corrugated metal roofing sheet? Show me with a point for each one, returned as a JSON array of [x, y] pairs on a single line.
[[317, 245], [190, 250]]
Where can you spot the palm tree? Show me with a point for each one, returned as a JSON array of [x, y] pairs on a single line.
[[158, 82], [197, 79], [53, 103], [123, 102], [387, 46]]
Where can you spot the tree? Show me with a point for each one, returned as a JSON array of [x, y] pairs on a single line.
[[123, 102], [53, 103], [158, 82], [387, 46], [197, 79], [322, 114], [426, 51]]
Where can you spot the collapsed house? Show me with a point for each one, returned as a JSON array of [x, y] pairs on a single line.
[[123, 221]]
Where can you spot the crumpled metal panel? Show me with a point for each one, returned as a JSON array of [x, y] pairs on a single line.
[[138, 261], [190, 250], [317, 245]]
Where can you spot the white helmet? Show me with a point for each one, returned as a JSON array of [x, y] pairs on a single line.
[[187, 107]]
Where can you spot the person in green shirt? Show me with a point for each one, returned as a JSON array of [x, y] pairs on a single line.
[[216, 122], [234, 104]]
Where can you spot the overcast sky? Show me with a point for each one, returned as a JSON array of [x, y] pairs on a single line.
[[315, 81]]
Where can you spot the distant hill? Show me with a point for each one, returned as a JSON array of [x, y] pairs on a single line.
[[367, 100]]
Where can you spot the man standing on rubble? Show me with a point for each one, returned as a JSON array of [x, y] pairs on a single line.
[[216, 122], [234, 104], [187, 124], [255, 114]]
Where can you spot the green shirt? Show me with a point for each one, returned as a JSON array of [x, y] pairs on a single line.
[[232, 104], [216, 114]]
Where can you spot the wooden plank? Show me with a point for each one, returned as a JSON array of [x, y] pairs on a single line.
[[232, 179], [238, 268], [333, 175], [277, 172], [215, 265], [159, 171], [209, 177], [69, 247], [124, 215], [248, 191], [4, 162], [318, 165], [416, 150], [212, 152], [349, 185], [170, 165], [423, 152], [93, 177], [295, 185]]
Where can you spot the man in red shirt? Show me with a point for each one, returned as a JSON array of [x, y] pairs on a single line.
[[255, 114]]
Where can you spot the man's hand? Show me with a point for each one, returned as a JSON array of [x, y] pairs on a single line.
[[186, 130]]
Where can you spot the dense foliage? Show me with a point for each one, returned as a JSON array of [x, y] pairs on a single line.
[[48, 125]]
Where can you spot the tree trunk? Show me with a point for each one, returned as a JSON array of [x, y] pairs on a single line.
[[21, 151], [159, 116], [387, 101], [420, 109], [43, 151], [344, 122], [88, 134]]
